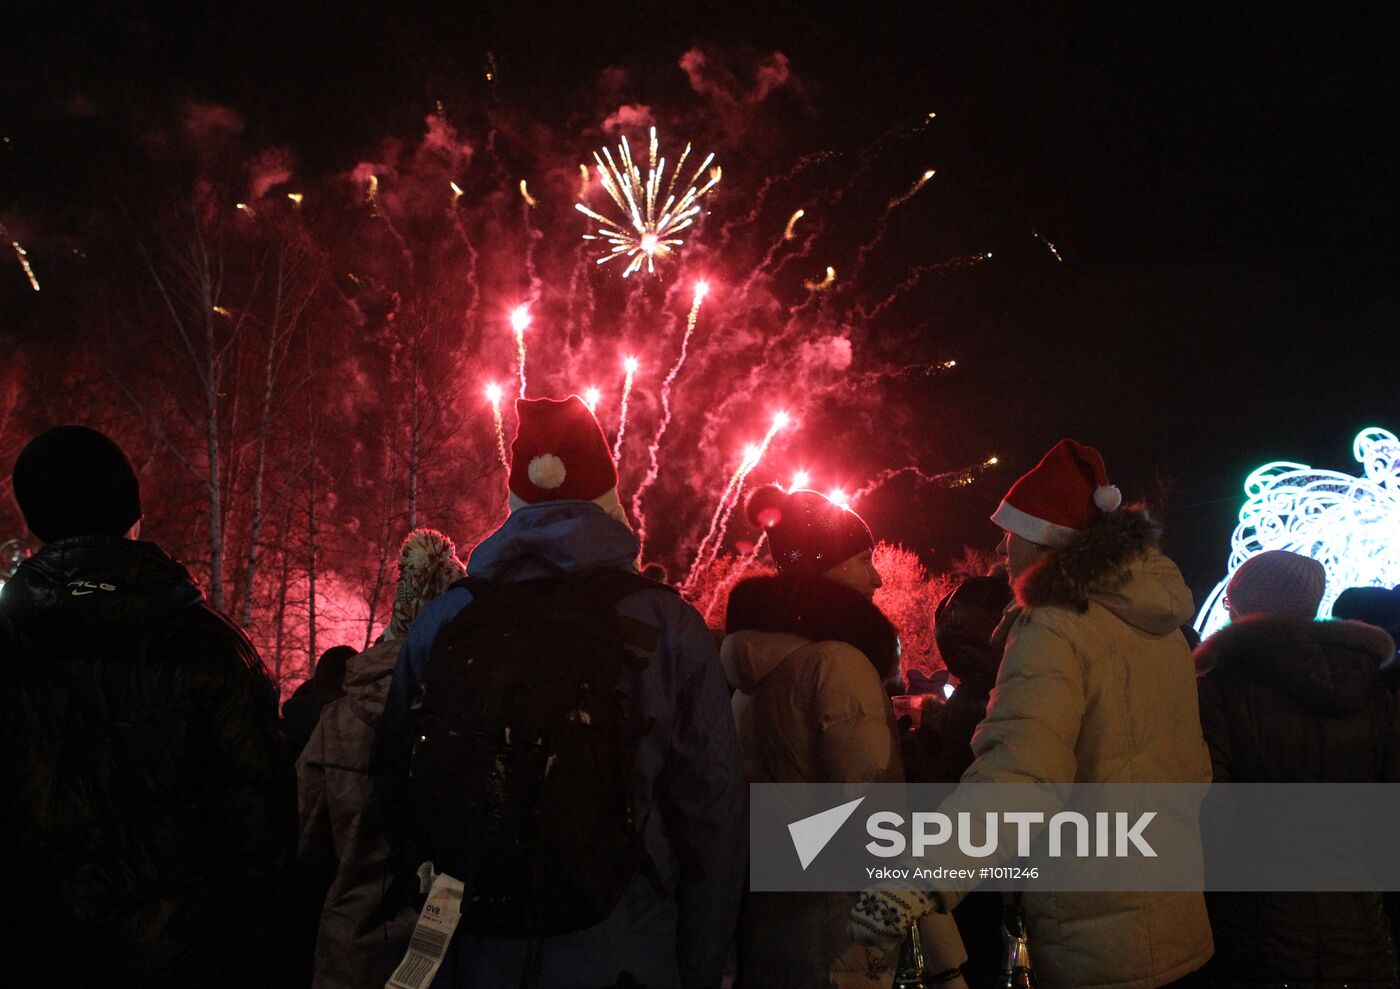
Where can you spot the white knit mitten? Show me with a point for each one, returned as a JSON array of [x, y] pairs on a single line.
[[882, 915]]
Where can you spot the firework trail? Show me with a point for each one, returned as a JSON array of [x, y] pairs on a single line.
[[519, 320], [581, 298], [372, 195], [630, 367], [947, 479], [788, 233], [898, 201], [719, 522], [1054, 251], [916, 275], [654, 451], [821, 286], [883, 226], [493, 395], [720, 594], [22, 256], [761, 197], [646, 232], [735, 479], [472, 282], [530, 200]]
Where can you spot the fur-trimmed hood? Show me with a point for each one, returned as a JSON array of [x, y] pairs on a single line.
[[1115, 563], [1330, 666], [813, 609]]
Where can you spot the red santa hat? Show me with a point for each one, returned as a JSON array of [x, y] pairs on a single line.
[[559, 454], [1061, 496]]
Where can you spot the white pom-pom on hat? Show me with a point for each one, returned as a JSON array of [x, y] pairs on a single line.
[[1107, 497], [547, 471]]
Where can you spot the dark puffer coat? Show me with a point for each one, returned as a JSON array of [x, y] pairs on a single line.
[[1284, 700], [147, 803]]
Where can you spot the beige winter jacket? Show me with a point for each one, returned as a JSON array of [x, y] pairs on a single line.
[[357, 945], [1098, 686], [815, 712]]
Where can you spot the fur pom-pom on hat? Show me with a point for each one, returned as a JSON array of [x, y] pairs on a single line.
[[764, 508]]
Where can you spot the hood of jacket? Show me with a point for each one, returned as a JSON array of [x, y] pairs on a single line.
[[1115, 563], [814, 609], [367, 677], [1330, 667], [89, 587], [541, 540], [748, 657]]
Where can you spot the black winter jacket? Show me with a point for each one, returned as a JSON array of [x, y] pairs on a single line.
[[1284, 700], [147, 803]]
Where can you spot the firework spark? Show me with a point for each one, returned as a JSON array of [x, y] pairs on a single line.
[[1054, 251], [702, 289], [525, 195], [719, 522], [23, 257], [821, 286], [790, 233], [800, 480], [630, 369], [296, 198], [519, 321], [919, 183], [493, 395], [648, 229], [591, 398], [456, 191]]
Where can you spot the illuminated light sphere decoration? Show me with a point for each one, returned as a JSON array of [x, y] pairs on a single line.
[[1349, 524], [651, 218]]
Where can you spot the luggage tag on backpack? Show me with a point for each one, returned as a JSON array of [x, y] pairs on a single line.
[[431, 935]]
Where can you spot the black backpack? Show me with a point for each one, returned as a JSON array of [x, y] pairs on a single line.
[[522, 743]]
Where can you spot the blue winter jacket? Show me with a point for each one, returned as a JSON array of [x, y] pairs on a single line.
[[689, 779]]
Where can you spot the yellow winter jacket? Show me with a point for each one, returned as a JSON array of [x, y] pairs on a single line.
[[1098, 686]]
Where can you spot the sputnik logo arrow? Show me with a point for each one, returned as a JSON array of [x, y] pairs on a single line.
[[811, 834]]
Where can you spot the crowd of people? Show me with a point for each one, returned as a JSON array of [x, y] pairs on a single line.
[[548, 744]]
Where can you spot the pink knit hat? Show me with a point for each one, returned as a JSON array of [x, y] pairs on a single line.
[[1277, 582]]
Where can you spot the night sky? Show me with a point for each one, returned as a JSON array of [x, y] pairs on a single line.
[[1221, 183]]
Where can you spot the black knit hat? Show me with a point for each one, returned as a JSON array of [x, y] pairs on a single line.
[[74, 481], [807, 531]]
